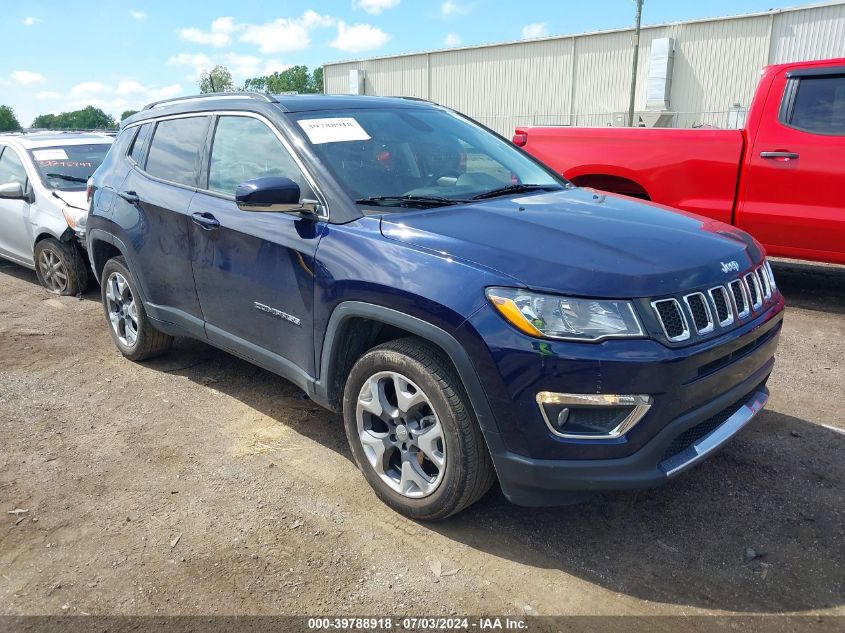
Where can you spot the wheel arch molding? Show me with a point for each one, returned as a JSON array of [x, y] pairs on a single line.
[[338, 355]]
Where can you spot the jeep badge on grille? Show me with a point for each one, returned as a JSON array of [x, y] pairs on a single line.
[[730, 266]]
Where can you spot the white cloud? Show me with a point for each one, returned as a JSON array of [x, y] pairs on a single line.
[[358, 37], [454, 8], [128, 87], [199, 62], [26, 78], [537, 29], [48, 94], [219, 35], [30, 21], [275, 66], [376, 6], [88, 88], [285, 34], [138, 15], [453, 39]]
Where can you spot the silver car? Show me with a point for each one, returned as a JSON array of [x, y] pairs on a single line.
[[43, 203]]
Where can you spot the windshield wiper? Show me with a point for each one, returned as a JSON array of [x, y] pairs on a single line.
[[66, 177], [410, 201], [503, 191]]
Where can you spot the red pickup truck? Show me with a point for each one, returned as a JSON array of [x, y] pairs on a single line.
[[782, 178]]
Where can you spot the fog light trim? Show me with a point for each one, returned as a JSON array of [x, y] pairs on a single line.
[[640, 403]]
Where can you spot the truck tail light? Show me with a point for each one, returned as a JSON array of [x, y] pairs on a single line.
[[520, 139], [89, 191]]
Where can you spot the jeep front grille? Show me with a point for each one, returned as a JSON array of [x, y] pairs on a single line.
[[696, 314], [724, 308], [702, 317], [672, 319], [740, 302]]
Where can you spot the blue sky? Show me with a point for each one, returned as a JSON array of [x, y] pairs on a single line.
[[116, 54]]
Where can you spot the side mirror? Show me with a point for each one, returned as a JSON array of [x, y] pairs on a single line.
[[272, 194], [12, 191]]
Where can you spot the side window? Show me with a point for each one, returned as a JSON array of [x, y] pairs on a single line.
[[819, 105], [245, 148], [176, 148], [12, 169], [139, 145]]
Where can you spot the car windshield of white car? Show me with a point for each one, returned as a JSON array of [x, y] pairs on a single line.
[[68, 167]]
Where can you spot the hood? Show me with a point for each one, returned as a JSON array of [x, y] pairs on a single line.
[[582, 242]]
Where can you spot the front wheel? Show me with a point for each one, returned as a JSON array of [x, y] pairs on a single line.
[[60, 267], [412, 432], [130, 328]]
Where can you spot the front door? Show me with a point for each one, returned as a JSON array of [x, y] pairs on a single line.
[[15, 229], [794, 201], [254, 271]]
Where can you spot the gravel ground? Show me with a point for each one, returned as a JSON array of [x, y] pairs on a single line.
[[200, 484]]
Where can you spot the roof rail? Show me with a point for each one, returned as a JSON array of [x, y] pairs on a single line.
[[249, 94]]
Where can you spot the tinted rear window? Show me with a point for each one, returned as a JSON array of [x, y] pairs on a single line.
[[68, 167], [175, 150], [820, 105]]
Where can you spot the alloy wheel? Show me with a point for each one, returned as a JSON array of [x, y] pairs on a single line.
[[401, 435], [123, 313], [53, 271]]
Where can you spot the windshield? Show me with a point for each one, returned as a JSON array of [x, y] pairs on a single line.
[[68, 167], [418, 157]]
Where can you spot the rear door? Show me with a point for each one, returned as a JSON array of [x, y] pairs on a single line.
[[152, 208], [793, 201], [15, 228], [254, 271]]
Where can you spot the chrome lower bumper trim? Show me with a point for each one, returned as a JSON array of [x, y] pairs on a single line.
[[709, 443]]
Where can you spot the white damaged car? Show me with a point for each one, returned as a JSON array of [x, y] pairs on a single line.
[[44, 206]]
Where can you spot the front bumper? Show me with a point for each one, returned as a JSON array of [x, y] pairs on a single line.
[[544, 482]]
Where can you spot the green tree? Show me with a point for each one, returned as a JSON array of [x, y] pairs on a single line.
[[8, 120], [127, 113], [89, 118], [218, 79], [294, 79], [317, 80]]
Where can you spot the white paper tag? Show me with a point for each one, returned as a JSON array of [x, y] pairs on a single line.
[[49, 154], [333, 130]]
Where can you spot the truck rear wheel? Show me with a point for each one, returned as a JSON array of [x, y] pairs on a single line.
[[412, 432]]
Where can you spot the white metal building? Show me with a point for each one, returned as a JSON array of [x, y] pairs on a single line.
[[689, 73]]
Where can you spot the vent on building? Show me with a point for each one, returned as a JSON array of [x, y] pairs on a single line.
[[660, 73]]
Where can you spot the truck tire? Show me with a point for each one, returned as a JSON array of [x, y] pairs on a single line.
[[60, 267], [130, 328], [412, 432]]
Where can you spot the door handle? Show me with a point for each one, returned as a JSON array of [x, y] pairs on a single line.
[[205, 221], [130, 196], [785, 155]]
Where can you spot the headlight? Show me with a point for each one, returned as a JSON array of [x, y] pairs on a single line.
[[75, 218], [567, 318]]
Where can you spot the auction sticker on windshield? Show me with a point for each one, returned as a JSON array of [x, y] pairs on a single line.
[[49, 154], [333, 130]]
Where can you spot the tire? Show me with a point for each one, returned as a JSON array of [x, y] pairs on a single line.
[[60, 267], [448, 466], [130, 328]]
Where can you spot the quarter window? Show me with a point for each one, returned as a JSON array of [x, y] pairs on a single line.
[[176, 149], [139, 146], [12, 169], [245, 148], [819, 105]]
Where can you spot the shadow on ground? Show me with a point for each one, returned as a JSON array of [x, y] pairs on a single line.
[[25, 274], [777, 489]]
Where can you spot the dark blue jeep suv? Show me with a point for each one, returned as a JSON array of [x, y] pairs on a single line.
[[472, 314]]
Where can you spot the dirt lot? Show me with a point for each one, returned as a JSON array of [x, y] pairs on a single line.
[[199, 484]]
